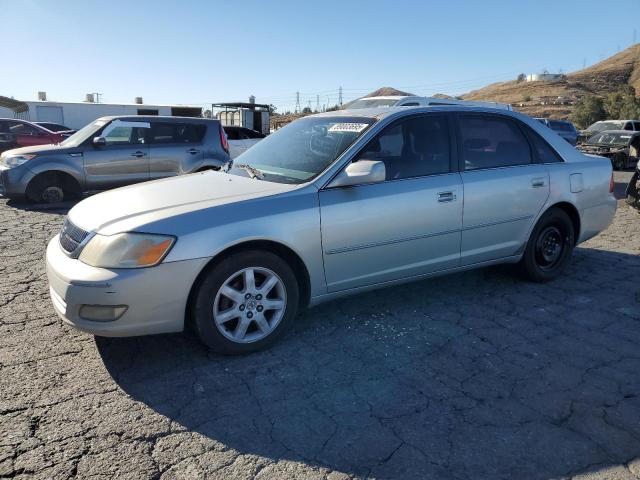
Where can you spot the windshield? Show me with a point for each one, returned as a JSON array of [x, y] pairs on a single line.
[[303, 149], [372, 103], [83, 134], [606, 138], [601, 126]]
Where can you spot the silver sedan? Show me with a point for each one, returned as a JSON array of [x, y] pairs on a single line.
[[331, 205]]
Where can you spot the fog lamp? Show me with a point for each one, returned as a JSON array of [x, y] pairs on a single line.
[[102, 313]]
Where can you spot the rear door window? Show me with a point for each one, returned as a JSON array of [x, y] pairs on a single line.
[[491, 141]]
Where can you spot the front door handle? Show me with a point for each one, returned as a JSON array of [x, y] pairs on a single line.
[[138, 154], [538, 182], [446, 197], [193, 151]]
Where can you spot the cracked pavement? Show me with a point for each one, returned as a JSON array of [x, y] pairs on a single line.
[[475, 375]]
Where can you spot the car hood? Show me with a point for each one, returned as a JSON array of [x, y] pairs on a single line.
[[38, 150], [130, 208]]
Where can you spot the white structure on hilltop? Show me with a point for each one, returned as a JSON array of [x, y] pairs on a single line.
[[544, 77]]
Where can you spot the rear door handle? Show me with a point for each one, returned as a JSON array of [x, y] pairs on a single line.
[[538, 182], [138, 154], [446, 197], [193, 151]]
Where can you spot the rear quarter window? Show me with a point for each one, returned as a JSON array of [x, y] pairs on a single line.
[[163, 133]]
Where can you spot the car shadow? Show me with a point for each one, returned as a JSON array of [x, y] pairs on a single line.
[[473, 375], [53, 208]]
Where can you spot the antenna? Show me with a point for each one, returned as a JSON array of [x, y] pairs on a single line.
[[297, 102]]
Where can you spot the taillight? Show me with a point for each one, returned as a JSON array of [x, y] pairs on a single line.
[[611, 184], [223, 139]]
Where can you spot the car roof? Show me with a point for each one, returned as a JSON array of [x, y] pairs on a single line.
[[163, 118], [382, 112]]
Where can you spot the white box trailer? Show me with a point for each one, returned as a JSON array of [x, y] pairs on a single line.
[[248, 115], [76, 115]]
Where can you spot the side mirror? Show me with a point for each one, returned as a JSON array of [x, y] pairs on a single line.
[[99, 142], [362, 171]]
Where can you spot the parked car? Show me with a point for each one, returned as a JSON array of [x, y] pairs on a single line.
[[111, 152], [601, 126], [564, 128], [56, 127], [16, 133], [415, 101], [620, 146], [240, 139], [330, 205]]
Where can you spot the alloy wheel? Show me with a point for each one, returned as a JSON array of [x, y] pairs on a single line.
[[249, 305]]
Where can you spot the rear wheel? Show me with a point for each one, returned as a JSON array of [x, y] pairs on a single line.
[[549, 247], [245, 302]]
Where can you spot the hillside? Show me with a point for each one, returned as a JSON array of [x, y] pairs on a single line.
[[541, 98]]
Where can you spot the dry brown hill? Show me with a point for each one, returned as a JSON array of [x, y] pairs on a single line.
[[387, 92], [556, 98]]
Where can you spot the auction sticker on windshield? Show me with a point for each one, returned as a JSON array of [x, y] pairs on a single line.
[[348, 127]]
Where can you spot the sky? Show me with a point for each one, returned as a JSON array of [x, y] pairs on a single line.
[[199, 52]]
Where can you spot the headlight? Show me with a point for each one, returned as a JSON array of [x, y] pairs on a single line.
[[126, 250], [12, 161]]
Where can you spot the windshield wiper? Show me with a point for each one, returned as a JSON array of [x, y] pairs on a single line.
[[253, 172]]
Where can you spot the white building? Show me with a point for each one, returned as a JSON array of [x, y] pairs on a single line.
[[544, 77], [76, 115]]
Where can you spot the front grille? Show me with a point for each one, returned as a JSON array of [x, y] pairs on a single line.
[[71, 236]]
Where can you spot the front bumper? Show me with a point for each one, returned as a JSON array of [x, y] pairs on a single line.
[[14, 181], [156, 297]]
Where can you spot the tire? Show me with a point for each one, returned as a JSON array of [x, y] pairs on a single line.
[[620, 161], [549, 247], [52, 187], [233, 318]]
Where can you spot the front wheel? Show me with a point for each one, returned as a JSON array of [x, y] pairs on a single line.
[[549, 247], [245, 302]]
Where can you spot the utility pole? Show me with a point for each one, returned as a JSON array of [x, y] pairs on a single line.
[[340, 95], [317, 103], [297, 102], [97, 96]]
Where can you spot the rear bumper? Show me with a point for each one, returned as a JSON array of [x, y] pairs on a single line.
[[596, 219], [155, 297]]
